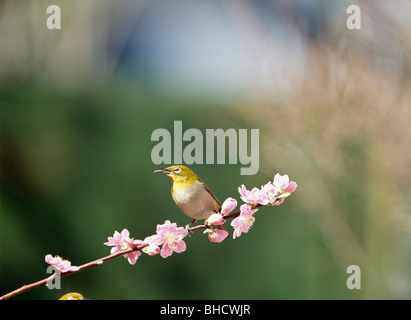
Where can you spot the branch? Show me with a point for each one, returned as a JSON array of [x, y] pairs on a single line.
[[170, 237], [44, 282], [95, 263], [230, 216]]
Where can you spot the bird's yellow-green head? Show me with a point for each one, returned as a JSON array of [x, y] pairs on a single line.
[[180, 174]]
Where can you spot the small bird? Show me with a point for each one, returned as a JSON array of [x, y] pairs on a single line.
[[190, 193], [73, 296]]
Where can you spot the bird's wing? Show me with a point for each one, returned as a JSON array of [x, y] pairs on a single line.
[[212, 194]]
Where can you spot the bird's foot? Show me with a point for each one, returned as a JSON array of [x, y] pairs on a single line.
[[188, 229]]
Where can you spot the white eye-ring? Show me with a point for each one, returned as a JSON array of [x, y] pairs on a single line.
[[177, 170]]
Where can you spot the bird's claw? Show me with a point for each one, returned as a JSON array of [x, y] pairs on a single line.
[[188, 229]]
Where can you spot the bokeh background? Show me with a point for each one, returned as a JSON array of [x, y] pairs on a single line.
[[78, 107]]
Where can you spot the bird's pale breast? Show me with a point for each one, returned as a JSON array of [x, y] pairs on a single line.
[[195, 201]]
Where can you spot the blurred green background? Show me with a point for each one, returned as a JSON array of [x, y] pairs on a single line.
[[78, 106]]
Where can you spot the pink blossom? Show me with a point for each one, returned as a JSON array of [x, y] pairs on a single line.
[[278, 201], [244, 221], [170, 237], [269, 193], [60, 264], [251, 197], [272, 193], [228, 205], [216, 235], [281, 182], [118, 241], [284, 187], [133, 255], [215, 219], [152, 249], [265, 194], [284, 184], [122, 241]]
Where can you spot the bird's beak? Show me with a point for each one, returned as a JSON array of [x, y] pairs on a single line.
[[165, 170]]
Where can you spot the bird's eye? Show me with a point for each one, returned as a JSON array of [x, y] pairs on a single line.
[[177, 170]]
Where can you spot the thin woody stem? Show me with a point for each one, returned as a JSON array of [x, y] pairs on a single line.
[[44, 282], [230, 216], [28, 287], [98, 262]]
